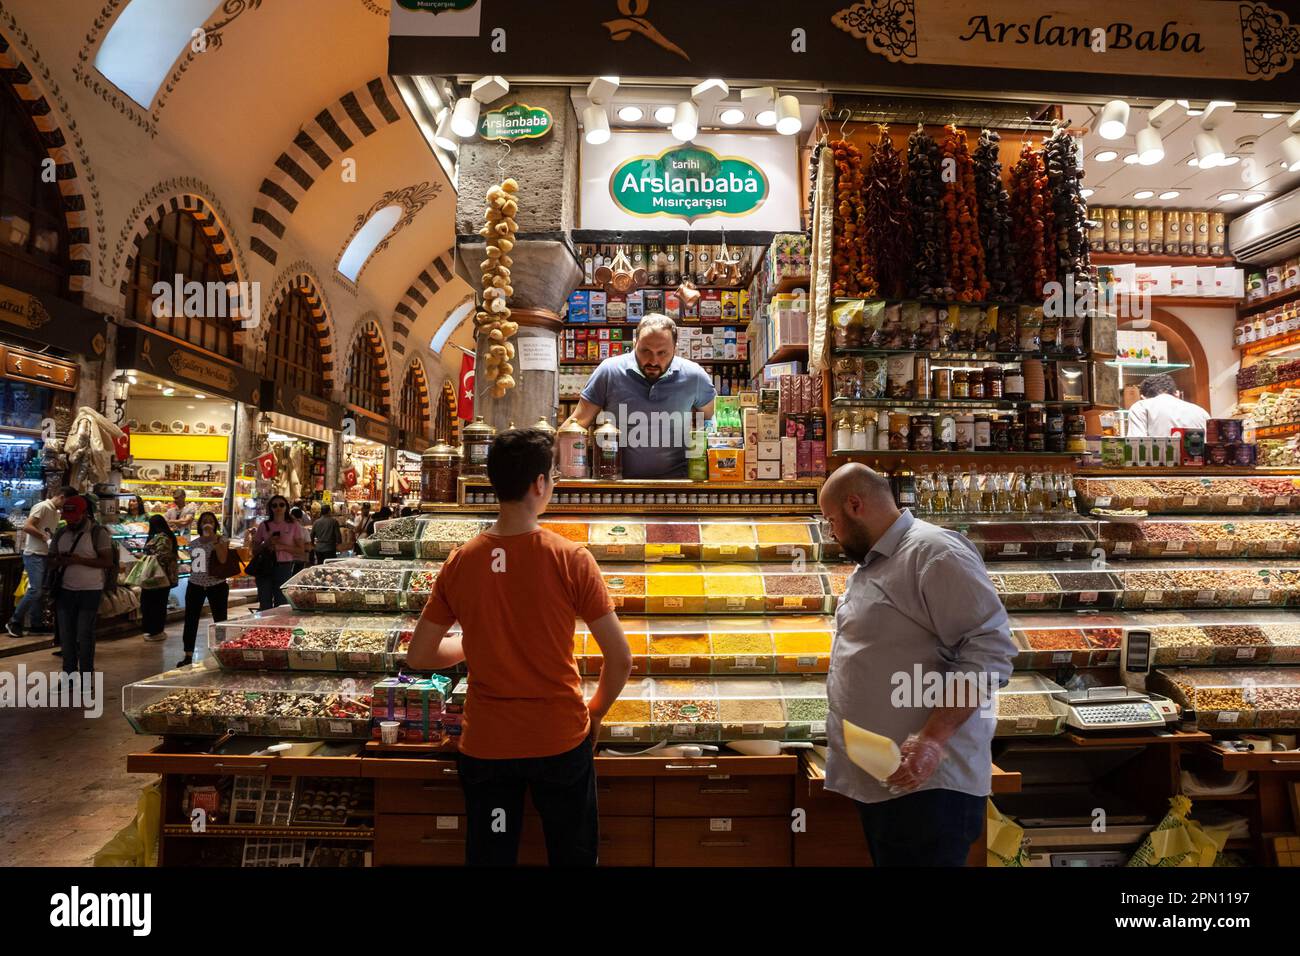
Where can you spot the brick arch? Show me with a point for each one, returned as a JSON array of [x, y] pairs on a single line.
[[423, 288], [320, 140], [71, 183], [301, 277], [190, 197], [368, 329], [416, 364]]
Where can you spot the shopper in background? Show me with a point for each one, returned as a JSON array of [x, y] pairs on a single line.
[[204, 585], [180, 516], [39, 531], [81, 558], [383, 514], [360, 519], [325, 536], [299, 517], [153, 600], [281, 536], [516, 590], [919, 603], [135, 508], [1160, 410]]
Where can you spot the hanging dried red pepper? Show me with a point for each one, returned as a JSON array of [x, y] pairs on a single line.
[[888, 219], [853, 275], [966, 278]]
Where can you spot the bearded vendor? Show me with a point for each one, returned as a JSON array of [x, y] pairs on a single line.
[[655, 397]]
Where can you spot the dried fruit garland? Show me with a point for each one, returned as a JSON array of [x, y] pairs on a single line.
[[925, 197], [889, 225], [1070, 211], [493, 317], [1032, 223], [995, 220], [966, 279], [853, 275]]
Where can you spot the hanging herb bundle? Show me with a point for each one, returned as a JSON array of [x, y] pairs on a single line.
[[853, 276], [924, 199], [994, 219], [966, 279], [1031, 223], [889, 226], [1070, 211]]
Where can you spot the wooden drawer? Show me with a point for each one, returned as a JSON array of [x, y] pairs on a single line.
[[723, 796], [164, 760], [624, 841], [419, 796], [419, 840], [833, 836], [750, 841], [625, 797]]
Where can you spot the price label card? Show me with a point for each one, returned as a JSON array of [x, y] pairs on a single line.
[[1223, 546], [1205, 597], [615, 550], [1235, 501], [616, 600], [324, 597], [746, 663], [1186, 653], [1026, 723], [340, 727], [727, 549], [720, 824], [311, 657], [447, 823], [1035, 598], [1191, 501], [254, 657], [1173, 547], [751, 730], [621, 730], [683, 730], [1123, 547], [1141, 502], [1088, 597], [678, 662], [674, 602], [1259, 596], [1246, 653], [818, 727], [806, 660], [735, 604], [1062, 657], [1274, 547], [791, 600], [360, 658], [373, 597], [1229, 716], [1282, 501], [1011, 548], [390, 547], [1102, 502], [287, 725], [1063, 546], [238, 726], [1153, 597]]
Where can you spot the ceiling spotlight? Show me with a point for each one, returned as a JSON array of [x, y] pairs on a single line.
[[464, 118], [1105, 155], [1228, 197], [1230, 161], [169, 391], [1150, 149], [686, 121], [1113, 122], [1131, 158], [1216, 111], [761, 102], [1193, 162], [1085, 193], [596, 125], [443, 136], [787, 115], [732, 116], [602, 89], [1169, 194], [630, 114], [200, 397], [709, 92], [1270, 116], [665, 115], [1291, 153], [490, 88], [1254, 197], [1208, 150], [1144, 194], [765, 117]]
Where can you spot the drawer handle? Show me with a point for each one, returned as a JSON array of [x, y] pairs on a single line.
[[451, 770], [434, 786], [242, 766], [1288, 760], [690, 766], [724, 790], [724, 843], [430, 841]]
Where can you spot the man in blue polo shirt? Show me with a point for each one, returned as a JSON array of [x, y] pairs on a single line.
[[654, 396]]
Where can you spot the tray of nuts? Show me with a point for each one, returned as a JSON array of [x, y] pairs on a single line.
[[1285, 639], [396, 538], [1239, 643], [1027, 590], [439, 537], [1180, 644], [352, 586], [1025, 707]]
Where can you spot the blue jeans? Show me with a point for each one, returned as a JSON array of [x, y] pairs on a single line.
[[928, 828], [269, 594], [77, 611], [29, 609]]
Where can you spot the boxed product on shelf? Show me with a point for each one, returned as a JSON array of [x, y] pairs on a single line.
[[414, 702]]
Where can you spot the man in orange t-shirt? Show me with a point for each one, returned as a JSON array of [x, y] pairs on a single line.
[[516, 590]]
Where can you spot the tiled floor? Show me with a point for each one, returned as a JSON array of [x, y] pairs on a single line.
[[64, 789]]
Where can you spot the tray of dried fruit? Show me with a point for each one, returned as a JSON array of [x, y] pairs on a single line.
[[678, 646], [1203, 537], [207, 701], [1232, 698], [1012, 537], [700, 710], [1210, 584], [1191, 494], [395, 538], [1026, 707]]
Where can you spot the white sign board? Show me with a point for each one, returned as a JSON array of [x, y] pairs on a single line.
[[538, 354], [650, 181]]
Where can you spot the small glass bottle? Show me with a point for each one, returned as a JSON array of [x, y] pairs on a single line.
[[1019, 494], [1002, 494], [1037, 494], [988, 492], [942, 500], [925, 494]]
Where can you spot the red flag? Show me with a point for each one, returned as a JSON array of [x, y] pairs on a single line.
[[465, 399], [267, 466], [122, 446], [350, 476]]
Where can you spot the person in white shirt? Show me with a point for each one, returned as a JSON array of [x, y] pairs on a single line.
[[1160, 410], [39, 529], [180, 515]]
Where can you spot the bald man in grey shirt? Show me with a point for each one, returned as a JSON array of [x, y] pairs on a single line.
[[922, 643]]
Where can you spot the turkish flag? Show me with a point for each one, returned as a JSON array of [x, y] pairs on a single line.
[[465, 398], [267, 466], [122, 446], [350, 476]]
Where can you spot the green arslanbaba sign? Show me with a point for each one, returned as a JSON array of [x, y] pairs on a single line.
[[435, 6], [688, 182], [516, 121]]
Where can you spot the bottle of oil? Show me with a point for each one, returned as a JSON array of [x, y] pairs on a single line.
[[942, 498], [1037, 494], [988, 492], [1002, 494]]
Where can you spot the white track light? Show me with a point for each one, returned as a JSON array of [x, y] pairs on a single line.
[[596, 125], [787, 115], [686, 122], [1150, 149], [1113, 122], [464, 118]]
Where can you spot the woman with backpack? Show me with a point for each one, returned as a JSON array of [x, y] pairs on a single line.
[[153, 594], [210, 566]]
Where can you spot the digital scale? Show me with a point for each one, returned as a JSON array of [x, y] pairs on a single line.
[[1109, 708]]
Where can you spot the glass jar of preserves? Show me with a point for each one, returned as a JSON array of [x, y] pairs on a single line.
[[1001, 434], [1035, 430], [920, 436], [1013, 382], [975, 387], [983, 433], [574, 450], [477, 438], [607, 456], [1017, 434], [960, 383], [993, 381], [439, 467]]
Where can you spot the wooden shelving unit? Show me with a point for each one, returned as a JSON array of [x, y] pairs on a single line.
[[1122, 258], [1249, 393], [1277, 298], [1265, 346]]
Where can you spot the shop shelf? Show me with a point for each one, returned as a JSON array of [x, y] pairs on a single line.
[[1233, 699], [1191, 493], [1026, 706], [1203, 537]]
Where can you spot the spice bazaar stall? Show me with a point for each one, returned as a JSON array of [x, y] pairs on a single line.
[[898, 263]]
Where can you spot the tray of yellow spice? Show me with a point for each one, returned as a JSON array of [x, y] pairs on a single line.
[[734, 588], [728, 541], [628, 719], [683, 653], [751, 710], [627, 586], [741, 652], [780, 540], [674, 589], [803, 644]]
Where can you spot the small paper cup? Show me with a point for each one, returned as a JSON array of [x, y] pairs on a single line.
[[388, 730]]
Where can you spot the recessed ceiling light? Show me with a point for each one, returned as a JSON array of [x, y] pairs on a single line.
[[190, 407], [197, 395], [630, 114], [1144, 194], [1254, 197], [1169, 194], [1228, 197], [1085, 193], [1131, 158], [1230, 161], [665, 115], [1270, 115], [1105, 155], [732, 116], [169, 391]]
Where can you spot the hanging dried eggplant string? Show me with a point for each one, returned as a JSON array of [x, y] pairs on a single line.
[[1061, 158], [995, 223], [924, 195], [888, 220], [966, 279], [854, 276], [1029, 213]]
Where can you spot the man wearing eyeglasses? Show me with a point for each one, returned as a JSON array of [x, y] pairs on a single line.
[[918, 613]]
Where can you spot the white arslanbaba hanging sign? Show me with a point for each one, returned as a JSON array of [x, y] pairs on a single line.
[[639, 181]]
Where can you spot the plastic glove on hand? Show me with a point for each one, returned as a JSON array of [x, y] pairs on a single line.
[[921, 758]]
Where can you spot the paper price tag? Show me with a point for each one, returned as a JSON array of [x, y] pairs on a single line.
[[340, 727], [817, 728], [791, 600], [289, 724], [1141, 502], [1102, 502], [683, 730], [1223, 546], [1228, 716], [390, 547], [373, 597], [735, 604], [1173, 547], [720, 824], [745, 662], [324, 597], [727, 549], [1282, 501], [1205, 597], [1235, 501], [1186, 653], [681, 663], [615, 550], [254, 657], [1061, 657], [622, 730], [1153, 597], [238, 726], [1063, 546], [806, 660], [447, 823], [1259, 596], [674, 602], [1026, 723], [1035, 598], [1274, 547], [1011, 548], [1246, 653], [1088, 597], [751, 730], [1123, 547], [311, 657], [1191, 501]]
